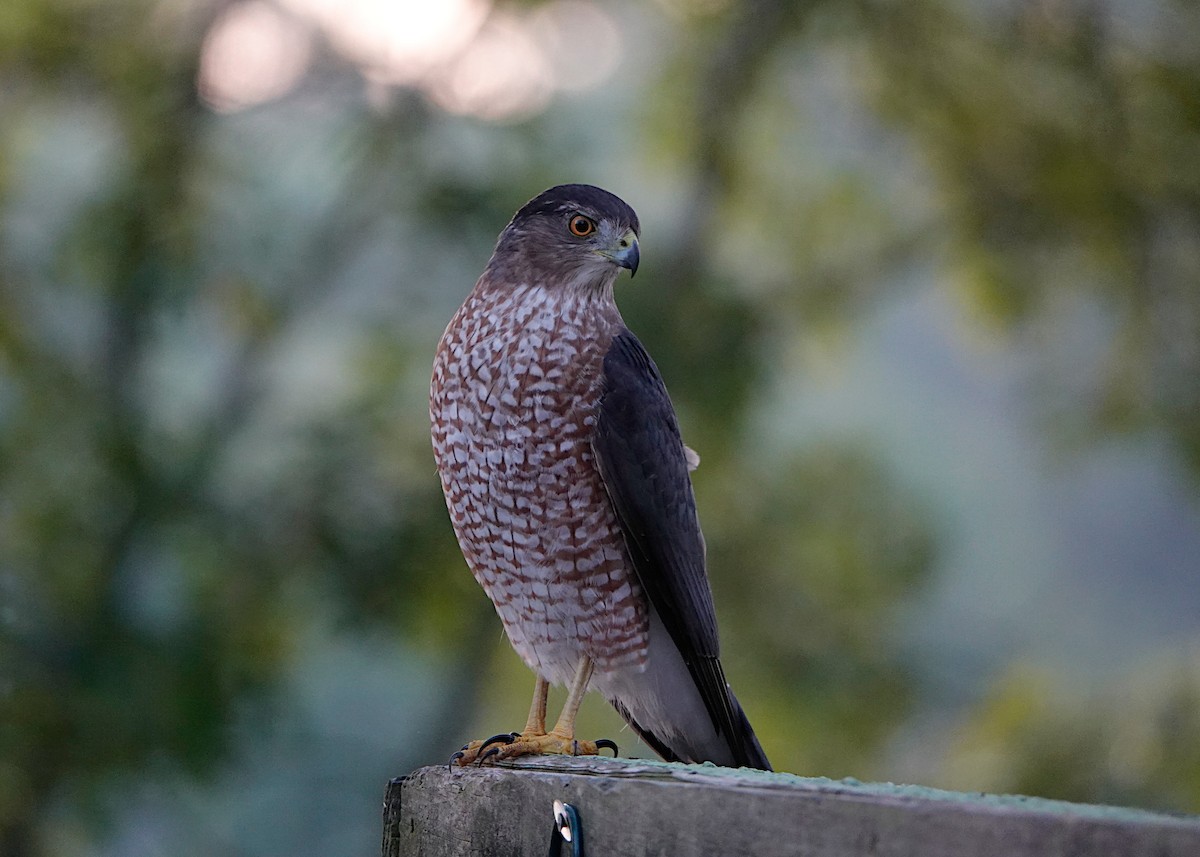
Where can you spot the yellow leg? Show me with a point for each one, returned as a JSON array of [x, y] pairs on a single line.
[[565, 727], [535, 724], [535, 740]]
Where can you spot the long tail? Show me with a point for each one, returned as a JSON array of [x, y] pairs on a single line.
[[666, 706], [741, 750]]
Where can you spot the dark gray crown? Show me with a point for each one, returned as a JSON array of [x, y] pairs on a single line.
[[569, 197]]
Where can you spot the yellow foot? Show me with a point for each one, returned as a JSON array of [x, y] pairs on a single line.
[[510, 745]]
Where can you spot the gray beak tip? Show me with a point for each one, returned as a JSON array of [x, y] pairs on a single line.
[[629, 258]]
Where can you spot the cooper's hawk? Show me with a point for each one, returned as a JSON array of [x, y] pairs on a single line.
[[567, 484]]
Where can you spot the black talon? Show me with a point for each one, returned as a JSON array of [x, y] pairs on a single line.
[[454, 758], [494, 751], [604, 743], [502, 738]]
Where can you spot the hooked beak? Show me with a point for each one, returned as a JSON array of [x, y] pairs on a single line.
[[625, 252]]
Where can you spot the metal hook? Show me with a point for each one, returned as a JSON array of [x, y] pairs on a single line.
[[567, 829]]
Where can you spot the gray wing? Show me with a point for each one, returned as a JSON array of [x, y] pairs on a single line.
[[642, 462]]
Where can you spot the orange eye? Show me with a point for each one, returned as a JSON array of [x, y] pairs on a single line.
[[581, 227]]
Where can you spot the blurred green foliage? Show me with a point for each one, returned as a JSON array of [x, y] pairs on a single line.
[[215, 334], [1133, 744], [1063, 141]]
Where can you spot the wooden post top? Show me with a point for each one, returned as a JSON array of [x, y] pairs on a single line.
[[642, 807]]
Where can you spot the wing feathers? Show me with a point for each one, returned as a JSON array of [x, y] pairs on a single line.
[[644, 466]]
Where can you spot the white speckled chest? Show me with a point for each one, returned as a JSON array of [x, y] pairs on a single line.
[[512, 405]]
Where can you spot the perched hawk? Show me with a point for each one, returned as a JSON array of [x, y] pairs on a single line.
[[567, 484]]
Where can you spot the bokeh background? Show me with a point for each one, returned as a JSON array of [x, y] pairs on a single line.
[[923, 278]]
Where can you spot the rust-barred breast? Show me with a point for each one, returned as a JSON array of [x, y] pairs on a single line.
[[515, 384]]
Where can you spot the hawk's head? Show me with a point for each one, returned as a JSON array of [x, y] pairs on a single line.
[[573, 234]]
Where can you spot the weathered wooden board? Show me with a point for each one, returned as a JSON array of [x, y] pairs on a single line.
[[637, 807]]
